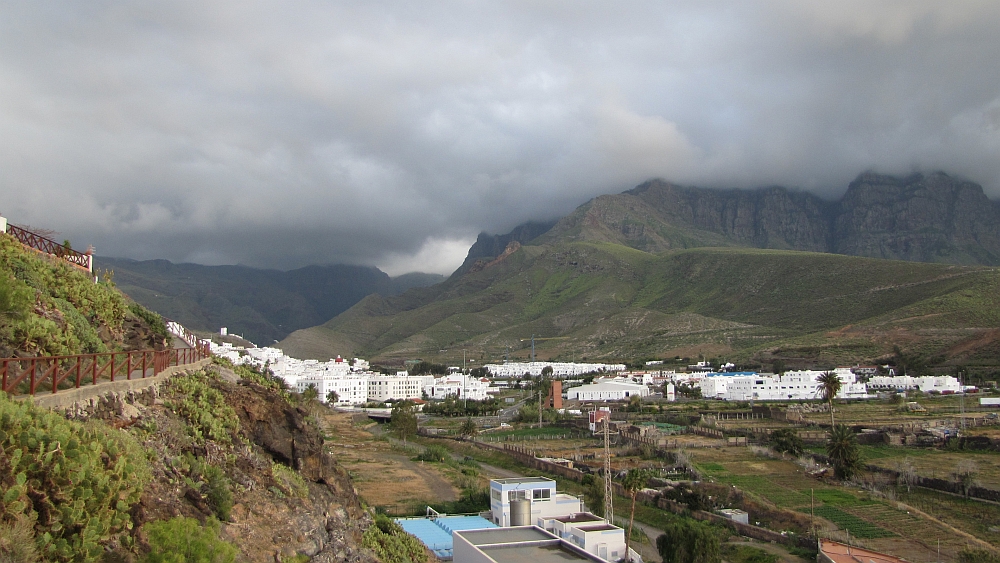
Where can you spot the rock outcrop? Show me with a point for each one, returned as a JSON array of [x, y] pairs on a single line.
[[932, 218]]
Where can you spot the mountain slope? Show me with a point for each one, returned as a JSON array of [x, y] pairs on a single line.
[[613, 302], [261, 305]]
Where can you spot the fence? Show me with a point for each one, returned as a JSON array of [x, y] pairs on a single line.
[[50, 373], [48, 246]]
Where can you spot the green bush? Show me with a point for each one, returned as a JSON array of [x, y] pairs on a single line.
[[52, 285], [433, 453], [747, 554], [184, 540], [204, 408], [154, 320], [290, 481], [391, 543], [688, 541], [76, 482]]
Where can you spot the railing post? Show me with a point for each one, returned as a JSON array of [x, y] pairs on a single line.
[[128, 366], [144, 365], [55, 375], [79, 369], [113, 366], [31, 385], [93, 370], [6, 364]]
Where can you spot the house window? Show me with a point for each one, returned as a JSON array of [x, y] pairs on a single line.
[[540, 494], [516, 495]]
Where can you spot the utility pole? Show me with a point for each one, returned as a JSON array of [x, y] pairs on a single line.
[[539, 404], [532, 348], [609, 509], [961, 387]]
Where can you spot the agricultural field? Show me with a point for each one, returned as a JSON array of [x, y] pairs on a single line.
[[929, 462]]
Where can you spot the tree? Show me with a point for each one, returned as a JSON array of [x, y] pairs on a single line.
[[633, 482], [842, 449], [593, 494], [468, 428], [689, 541], [403, 420], [786, 440], [332, 397], [965, 475], [907, 473], [547, 371], [829, 386], [310, 392]]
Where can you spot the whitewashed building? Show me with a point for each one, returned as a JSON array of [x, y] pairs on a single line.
[[607, 391], [460, 386], [384, 388], [350, 389], [925, 384], [790, 386], [559, 369]]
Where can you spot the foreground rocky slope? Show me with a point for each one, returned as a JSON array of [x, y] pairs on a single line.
[[208, 446]]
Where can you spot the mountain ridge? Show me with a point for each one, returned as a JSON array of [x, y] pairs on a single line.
[[626, 276]]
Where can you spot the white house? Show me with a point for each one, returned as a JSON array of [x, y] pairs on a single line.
[[350, 389], [925, 384], [591, 533]]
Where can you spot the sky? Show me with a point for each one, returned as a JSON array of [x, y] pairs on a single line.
[[282, 134]]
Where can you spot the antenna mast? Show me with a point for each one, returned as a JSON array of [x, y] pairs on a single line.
[[609, 513]]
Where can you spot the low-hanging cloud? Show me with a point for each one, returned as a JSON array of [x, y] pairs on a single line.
[[390, 133]]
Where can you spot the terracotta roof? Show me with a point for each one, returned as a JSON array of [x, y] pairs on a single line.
[[842, 553]]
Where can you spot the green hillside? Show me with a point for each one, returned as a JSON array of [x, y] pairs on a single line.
[[614, 302], [48, 307]]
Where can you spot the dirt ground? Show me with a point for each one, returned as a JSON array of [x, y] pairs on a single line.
[[383, 473]]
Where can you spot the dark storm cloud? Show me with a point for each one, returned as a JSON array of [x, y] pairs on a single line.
[[277, 134]]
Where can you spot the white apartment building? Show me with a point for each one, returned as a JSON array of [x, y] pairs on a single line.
[[384, 388], [925, 384], [460, 386], [350, 389], [790, 386], [559, 369]]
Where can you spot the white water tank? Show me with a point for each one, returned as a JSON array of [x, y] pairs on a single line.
[[520, 512]]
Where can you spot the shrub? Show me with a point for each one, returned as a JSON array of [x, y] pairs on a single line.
[[391, 543], [688, 541], [154, 320], [184, 540], [290, 481], [786, 440], [74, 481], [433, 453], [204, 408]]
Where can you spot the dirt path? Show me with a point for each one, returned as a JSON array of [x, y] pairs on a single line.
[[382, 474]]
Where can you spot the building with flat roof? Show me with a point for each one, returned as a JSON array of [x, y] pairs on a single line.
[[542, 501], [591, 533], [522, 544]]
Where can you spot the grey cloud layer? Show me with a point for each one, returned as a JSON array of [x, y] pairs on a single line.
[[277, 134]]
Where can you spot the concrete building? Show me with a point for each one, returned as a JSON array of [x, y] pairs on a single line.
[[460, 386], [350, 389], [607, 391], [591, 533], [560, 370], [543, 500], [925, 384], [790, 386], [523, 544], [384, 388]]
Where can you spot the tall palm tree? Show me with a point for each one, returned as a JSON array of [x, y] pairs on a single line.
[[829, 386], [633, 482]]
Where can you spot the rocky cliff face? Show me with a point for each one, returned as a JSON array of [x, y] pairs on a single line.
[[932, 218]]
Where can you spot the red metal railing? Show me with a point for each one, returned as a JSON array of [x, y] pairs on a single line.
[[27, 376], [49, 246]]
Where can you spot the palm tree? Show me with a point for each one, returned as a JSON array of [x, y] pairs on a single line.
[[633, 482], [829, 386], [842, 449], [332, 397]]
